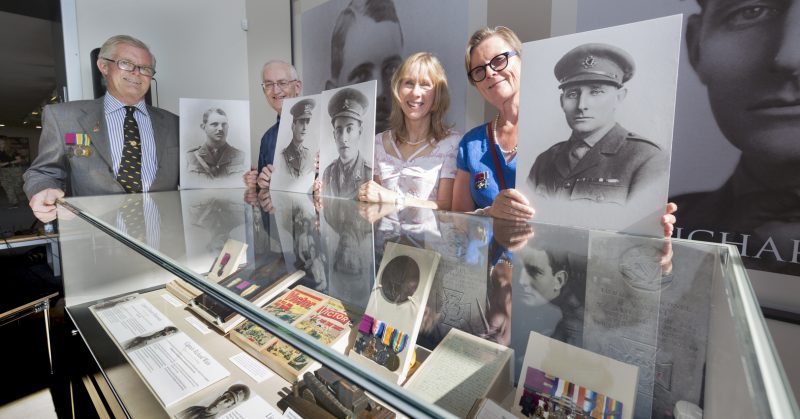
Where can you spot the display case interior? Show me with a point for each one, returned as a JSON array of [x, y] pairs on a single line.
[[373, 311]]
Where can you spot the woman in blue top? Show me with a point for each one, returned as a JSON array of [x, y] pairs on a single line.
[[487, 155], [487, 162]]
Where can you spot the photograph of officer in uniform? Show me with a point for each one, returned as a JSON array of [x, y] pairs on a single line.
[[607, 167], [601, 161], [297, 156], [215, 157], [353, 131], [297, 146], [214, 142]]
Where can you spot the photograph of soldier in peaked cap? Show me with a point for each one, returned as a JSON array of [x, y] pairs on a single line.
[[297, 145], [349, 252], [214, 142], [607, 167], [601, 161], [346, 147]]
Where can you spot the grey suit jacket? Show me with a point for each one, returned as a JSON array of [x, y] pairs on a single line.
[[94, 175]]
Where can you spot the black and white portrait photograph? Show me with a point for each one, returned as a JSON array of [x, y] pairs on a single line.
[[210, 218], [348, 243], [735, 157], [351, 41], [298, 229], [597, 126], [233, 396], [548, 286], [297, 145], [347, 139], [214, 142]]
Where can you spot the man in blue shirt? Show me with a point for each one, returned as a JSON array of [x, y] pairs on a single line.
[[279, 81]]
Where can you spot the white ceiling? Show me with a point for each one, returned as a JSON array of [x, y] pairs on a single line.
[[27, 72]]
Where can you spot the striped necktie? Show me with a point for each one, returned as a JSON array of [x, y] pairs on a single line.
[[130, 166]]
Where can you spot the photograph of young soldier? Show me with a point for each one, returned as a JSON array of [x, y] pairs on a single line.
[[342, 178], [298, 157], [748, 58], [367, 44], [215, 158], [601, 162], [349, 252], [548, 285]]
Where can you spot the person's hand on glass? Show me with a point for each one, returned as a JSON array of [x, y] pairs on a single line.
[[265, 176], [513, 235], [43, 204], [372, 211], [251, 196], [265, 201], [371, 191], [316, 190], [666, 257], [510, 204]]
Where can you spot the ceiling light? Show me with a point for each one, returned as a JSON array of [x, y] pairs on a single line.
[[38, 127]]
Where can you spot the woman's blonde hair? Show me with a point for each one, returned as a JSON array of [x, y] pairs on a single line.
[[484, 33], [416, 66]]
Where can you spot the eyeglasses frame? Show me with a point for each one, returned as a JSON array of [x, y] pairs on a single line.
[[135, 66], [277, 83], [507, 54]]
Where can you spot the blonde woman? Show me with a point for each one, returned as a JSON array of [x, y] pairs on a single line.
[[415, 160]]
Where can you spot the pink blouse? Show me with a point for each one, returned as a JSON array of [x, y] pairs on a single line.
[[419, 175]]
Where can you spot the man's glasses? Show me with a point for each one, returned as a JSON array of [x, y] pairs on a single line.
[[498, 63], [129, 66], [282, 84]]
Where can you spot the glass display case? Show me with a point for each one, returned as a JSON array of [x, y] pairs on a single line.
[[415, 312]]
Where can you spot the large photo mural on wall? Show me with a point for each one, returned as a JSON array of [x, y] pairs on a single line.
[[353, 41], [736, 155]]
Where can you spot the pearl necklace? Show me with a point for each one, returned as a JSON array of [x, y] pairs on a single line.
[[494, 133], [418, 142]]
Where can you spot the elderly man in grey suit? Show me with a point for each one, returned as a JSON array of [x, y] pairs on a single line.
[[111, 145]]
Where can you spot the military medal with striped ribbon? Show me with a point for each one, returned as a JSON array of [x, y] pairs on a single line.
[[79, 144]]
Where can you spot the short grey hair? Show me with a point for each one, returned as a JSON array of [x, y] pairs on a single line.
[[109, 48], [292, 70]]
